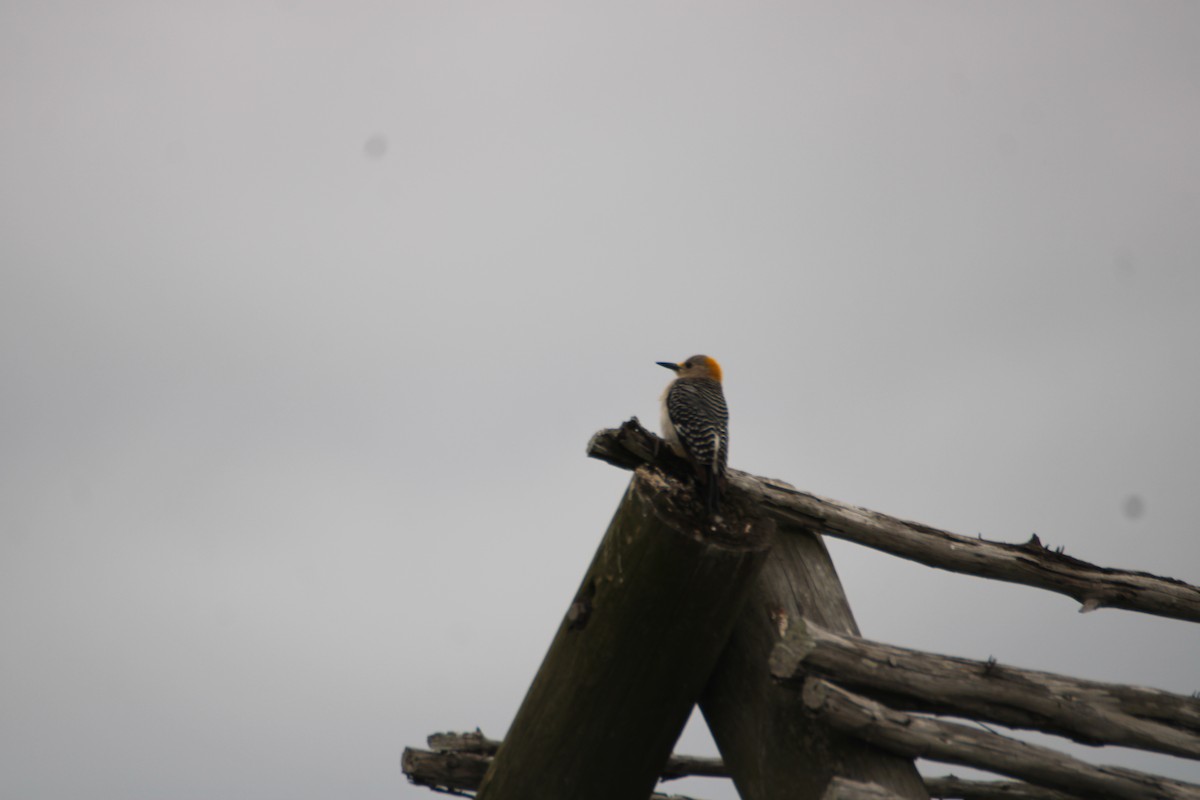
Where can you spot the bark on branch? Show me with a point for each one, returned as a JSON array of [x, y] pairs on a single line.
[[937, 740], [1031, 563], [954, 788], [1089, 712]]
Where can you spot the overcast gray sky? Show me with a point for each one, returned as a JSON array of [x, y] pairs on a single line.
[[307, 311]]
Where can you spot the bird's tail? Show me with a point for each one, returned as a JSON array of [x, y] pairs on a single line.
[[712, 493]]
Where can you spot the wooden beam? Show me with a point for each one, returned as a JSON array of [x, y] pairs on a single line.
[[1031, 563], [634, 649], [1088, 712], [938, 740]]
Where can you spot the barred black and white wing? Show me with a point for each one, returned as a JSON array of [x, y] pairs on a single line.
[[697, 411]]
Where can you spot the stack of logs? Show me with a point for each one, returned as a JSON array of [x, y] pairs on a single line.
[[744, 615]]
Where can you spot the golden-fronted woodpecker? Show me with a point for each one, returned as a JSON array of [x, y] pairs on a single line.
[[695, 422]]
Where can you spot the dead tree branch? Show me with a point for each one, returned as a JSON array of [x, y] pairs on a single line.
[[1089, 712], [1031, 563], [937, 740]]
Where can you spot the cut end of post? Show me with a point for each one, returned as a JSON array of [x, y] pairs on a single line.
[[739, 525], [815, 693]]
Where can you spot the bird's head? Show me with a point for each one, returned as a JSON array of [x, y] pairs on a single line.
[[695, 367]]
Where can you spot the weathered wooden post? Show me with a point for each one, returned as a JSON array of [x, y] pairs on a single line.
[[634, 650], [772, 747]]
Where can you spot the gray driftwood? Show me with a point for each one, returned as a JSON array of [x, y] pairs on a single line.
[[634, 650], [1030, 563], [938, 740], [1089, 712]]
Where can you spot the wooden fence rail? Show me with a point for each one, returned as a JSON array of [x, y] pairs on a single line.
[[1088, 712], [1029, 563], [937, 740]]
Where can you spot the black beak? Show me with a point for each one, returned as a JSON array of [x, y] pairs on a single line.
[[669, 365]]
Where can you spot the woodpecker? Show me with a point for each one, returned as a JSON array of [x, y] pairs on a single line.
[[695, 422]]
